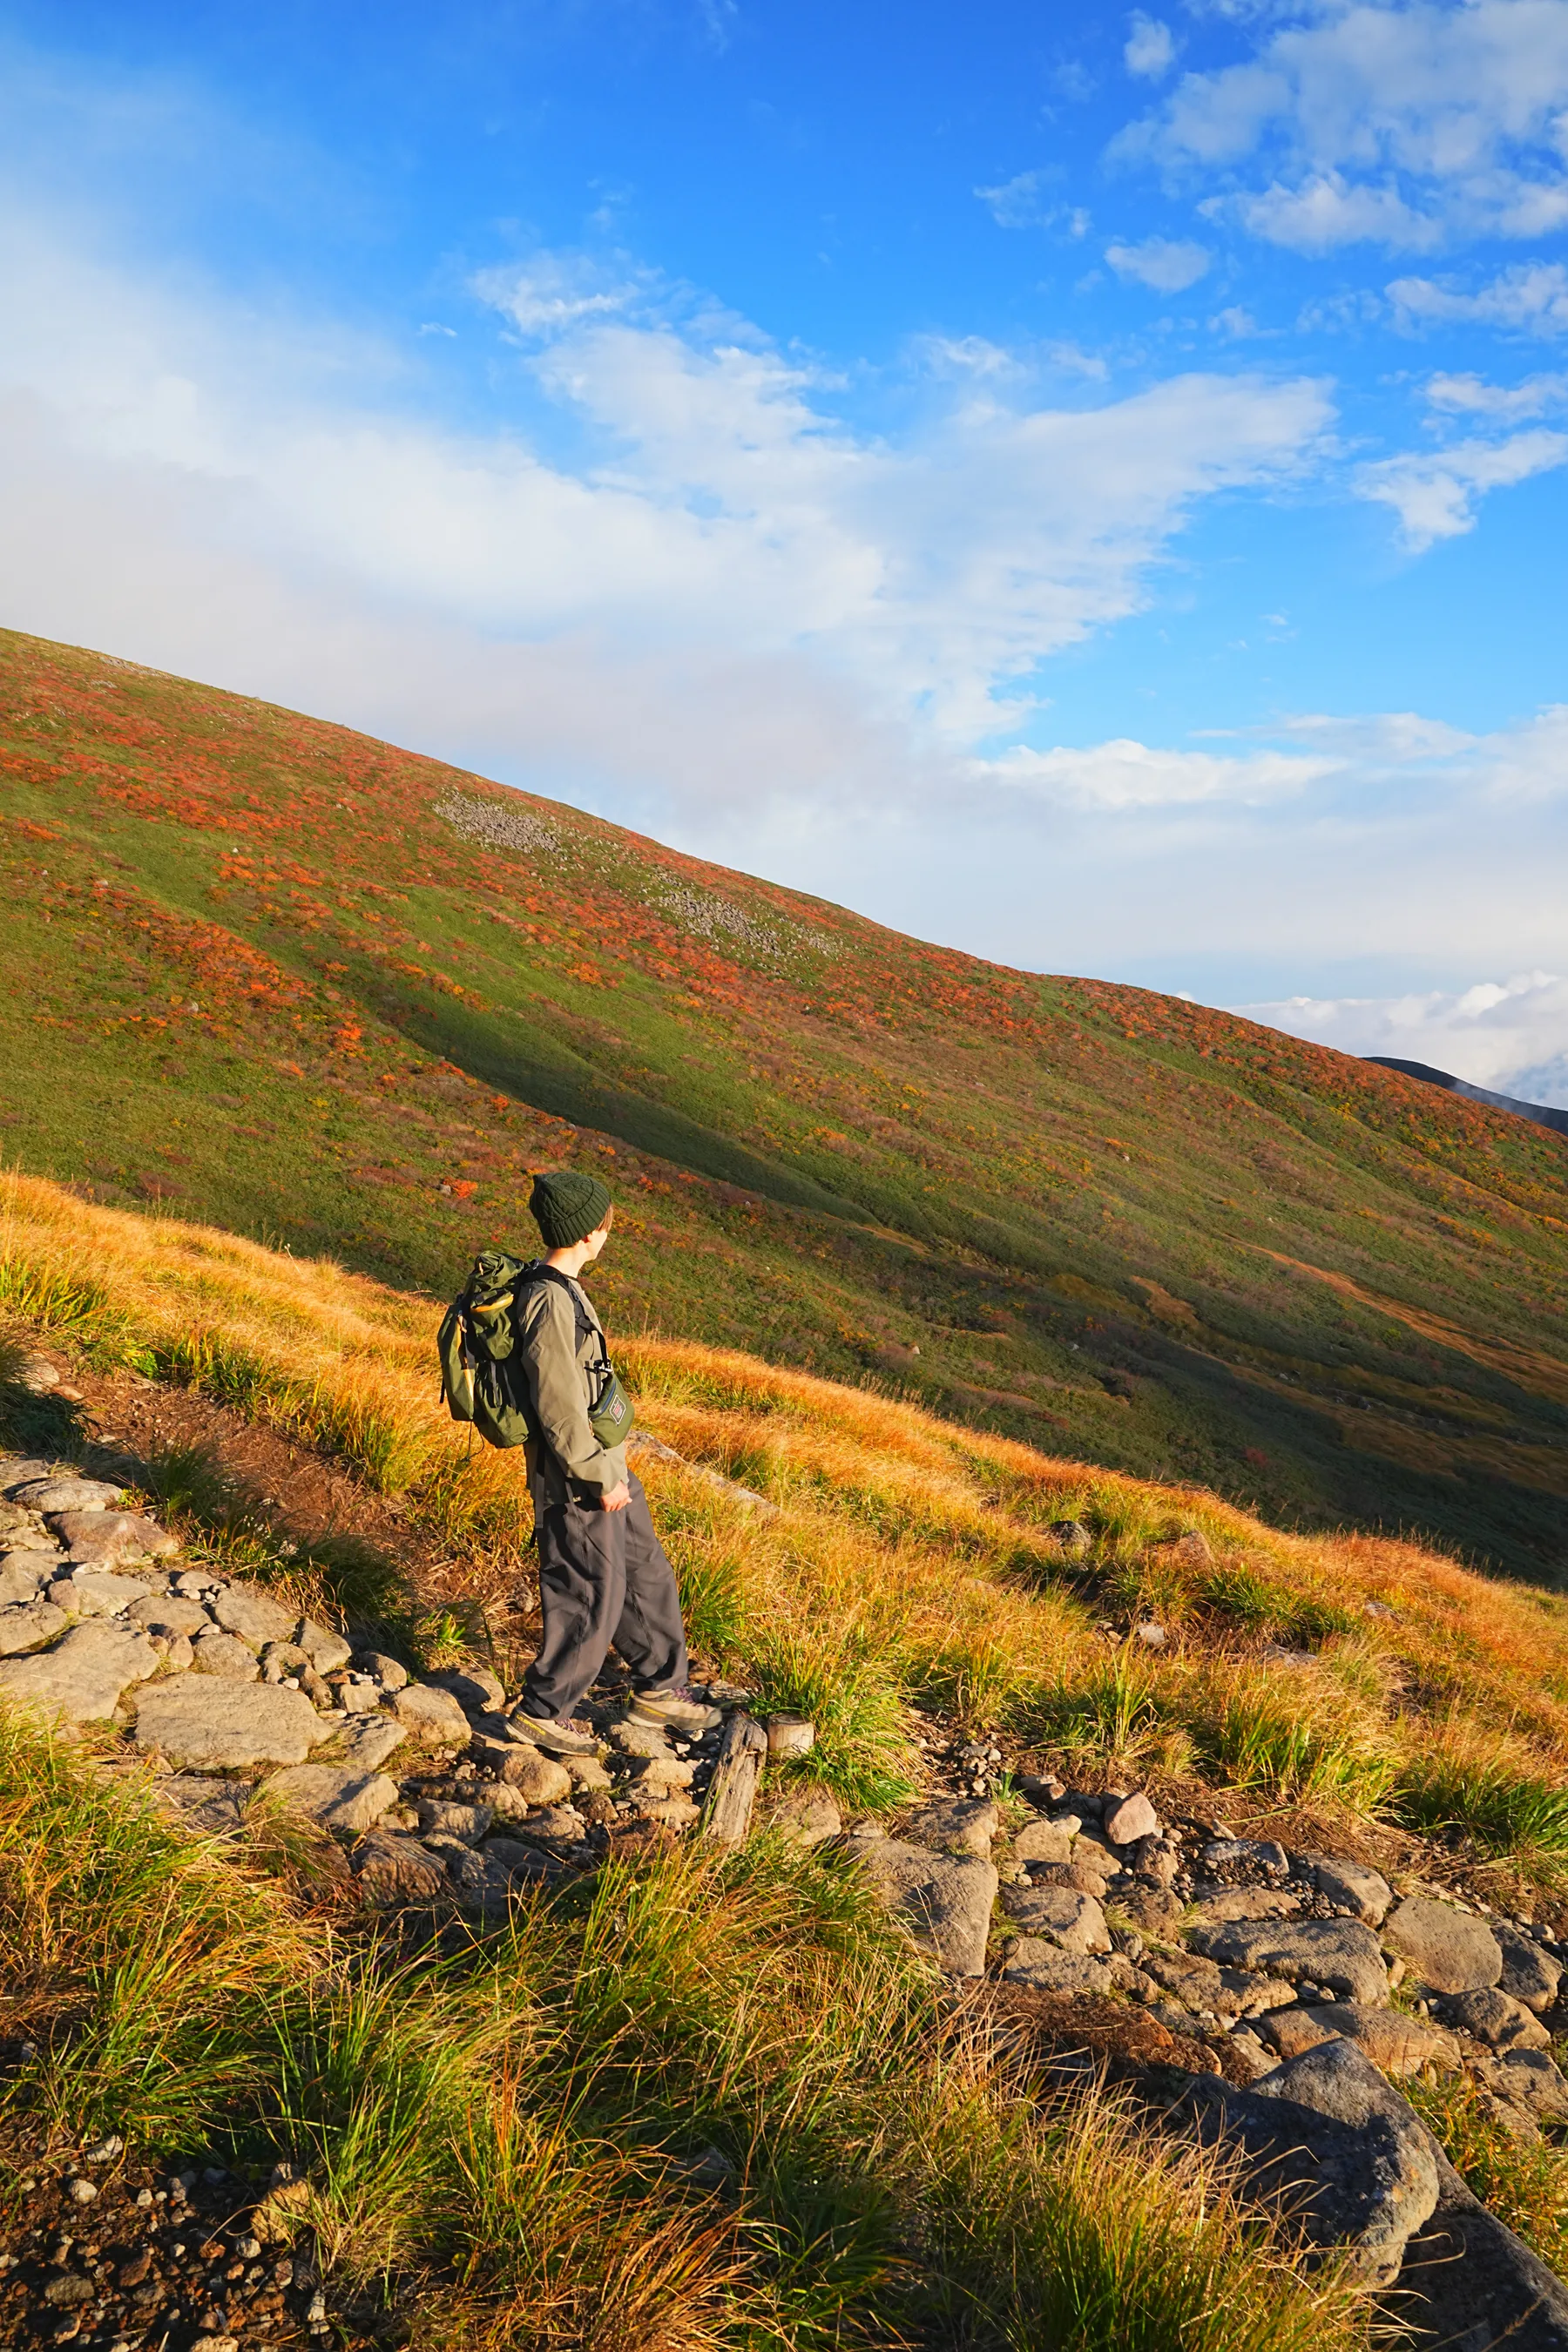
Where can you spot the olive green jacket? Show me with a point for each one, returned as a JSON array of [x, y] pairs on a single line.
[[556, 1364]]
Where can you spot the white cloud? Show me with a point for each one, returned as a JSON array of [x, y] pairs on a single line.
[[1151, 48], [1020, 202], [1400, 124], [1530, 298], [1435, 496], [1507, 1036], [1127, 774], [1471, 396], [1166, 264], [717, 513]]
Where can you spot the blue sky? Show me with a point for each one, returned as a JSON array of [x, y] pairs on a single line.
[[1090, 486]]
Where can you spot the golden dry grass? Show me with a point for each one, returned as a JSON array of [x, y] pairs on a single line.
[[903, 1550]]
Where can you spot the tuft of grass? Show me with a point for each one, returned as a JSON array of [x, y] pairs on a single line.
[[1493, 1798], [1523, 2182], [1296, 1746], [1114, 1712], [861, 1753]]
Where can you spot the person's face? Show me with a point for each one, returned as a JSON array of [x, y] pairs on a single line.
[[596, 1240]]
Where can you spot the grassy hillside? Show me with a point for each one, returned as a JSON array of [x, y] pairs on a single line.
[[266, 971], [908, 1561]]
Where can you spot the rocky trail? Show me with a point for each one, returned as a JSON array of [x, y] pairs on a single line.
[[1257, 1994]]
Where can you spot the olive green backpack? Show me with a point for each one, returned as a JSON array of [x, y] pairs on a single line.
[[481, 1378]]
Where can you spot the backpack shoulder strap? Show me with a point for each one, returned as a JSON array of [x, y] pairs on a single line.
[[538, 1272]]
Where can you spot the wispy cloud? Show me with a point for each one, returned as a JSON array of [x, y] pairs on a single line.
[[1149, 50], [1531, 299], [1167, 264], [1505, 1035], [1436, 495]]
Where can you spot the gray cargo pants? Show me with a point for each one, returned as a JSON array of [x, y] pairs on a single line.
[[603, 1583]]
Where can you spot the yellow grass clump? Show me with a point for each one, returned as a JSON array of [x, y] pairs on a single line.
[[903, 1556]]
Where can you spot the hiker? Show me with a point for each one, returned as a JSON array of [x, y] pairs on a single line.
[[603, 1579]]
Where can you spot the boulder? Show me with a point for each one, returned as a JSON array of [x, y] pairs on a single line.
[[1393, 2167], [1352, 1886], [1496, 2019], [1133, 1817], [169, 1613], [213, 1653], [1530, 1973], [29, 1625], [1043, 1842], [217, 1726], [82, 1678], [1197, 1983], [93, 1592], [1340, 1953], [396, 1869], [63, 1492], [1047, 1969], [105, 1538], [240, 1609], [1532, 2079], [1446, 1949], [17, 1471], [341, 1798], [588, 1774], [943, 1900], [431, 1716], [1075, 1922], [513, 1861], [956, 1825], [327, 1651], [1396, 2044]]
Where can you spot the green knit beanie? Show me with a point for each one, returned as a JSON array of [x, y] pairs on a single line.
[[568, 1206]]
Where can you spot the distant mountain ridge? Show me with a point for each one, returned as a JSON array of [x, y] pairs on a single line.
[[301, 984], [1540, 1114]]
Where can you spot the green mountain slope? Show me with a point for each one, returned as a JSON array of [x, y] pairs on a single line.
[[320, 990]]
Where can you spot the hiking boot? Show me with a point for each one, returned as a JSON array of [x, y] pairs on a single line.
[[674, 1711], [561, 1738]]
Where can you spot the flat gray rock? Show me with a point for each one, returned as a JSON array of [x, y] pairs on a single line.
[[106, 1538], [22, 1574], [1047, 1969], [215, 1726], [1446, 1949], [386, 1671], [63, 1491], [94, 1593], [943, 1900], [438, 1818], [170, 1613], [1070, 1919], [214, 1652], [18, 1470], [1396, 2044], [956, 1825], [371, 1741], [433, 1715], [82, 1678], [27, 1625], [1341, 1954], [240, 1609], [340, 1798], [1131, 1819]]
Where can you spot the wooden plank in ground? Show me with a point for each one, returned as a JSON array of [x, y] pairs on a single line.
[[733, 1791]]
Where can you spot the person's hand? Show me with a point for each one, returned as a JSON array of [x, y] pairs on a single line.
[[615, 1498]]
